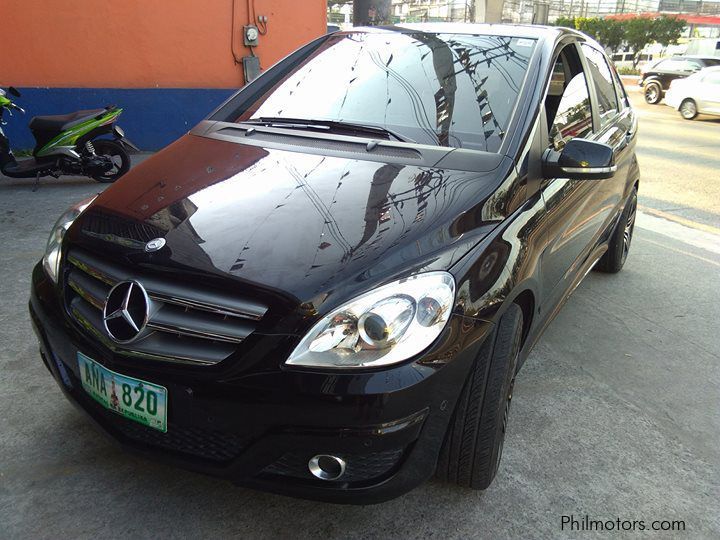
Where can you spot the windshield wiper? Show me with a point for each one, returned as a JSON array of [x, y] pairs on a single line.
[[328, 125]]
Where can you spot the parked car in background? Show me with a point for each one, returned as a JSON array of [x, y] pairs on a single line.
[[657, 78], [697, 94], [627, 59], [326, 288]]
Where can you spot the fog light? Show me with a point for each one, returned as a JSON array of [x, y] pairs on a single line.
[[326, 467]]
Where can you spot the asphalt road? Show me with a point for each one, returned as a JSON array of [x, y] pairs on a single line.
[[616, 414], [680, 160]]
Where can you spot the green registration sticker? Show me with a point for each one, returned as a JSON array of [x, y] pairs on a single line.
[[141, 401]]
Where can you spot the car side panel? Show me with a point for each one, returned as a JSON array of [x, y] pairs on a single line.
[[708, 98]]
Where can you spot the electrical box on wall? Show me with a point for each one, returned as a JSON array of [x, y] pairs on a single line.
[[251, 68], [251, 35]]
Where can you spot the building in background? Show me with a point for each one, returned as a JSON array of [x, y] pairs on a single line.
[[167, 63], [374, 12], [704, 13], [432, 10]]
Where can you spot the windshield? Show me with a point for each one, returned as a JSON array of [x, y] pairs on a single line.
[[451, 90]]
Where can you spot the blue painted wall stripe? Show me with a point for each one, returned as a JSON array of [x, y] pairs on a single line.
[[152, 117]]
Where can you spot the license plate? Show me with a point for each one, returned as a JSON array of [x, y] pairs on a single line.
[[141, 401]]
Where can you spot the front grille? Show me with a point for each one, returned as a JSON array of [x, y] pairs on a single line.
[[359, 466], [203, 443], [185, 324]]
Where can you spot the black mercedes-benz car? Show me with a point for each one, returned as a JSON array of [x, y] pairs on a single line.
[[656, 79], [327, 288]]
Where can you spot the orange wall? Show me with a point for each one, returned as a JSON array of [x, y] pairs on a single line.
[[144, 43]]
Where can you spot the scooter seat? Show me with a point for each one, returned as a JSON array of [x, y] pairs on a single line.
[[61, 122]]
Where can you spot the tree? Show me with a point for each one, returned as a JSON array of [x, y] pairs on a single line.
[[668, 29], [641, 31], [567, 22], [612, 35], [607, 32]]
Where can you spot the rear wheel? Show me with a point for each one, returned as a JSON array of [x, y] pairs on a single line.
[[688, 109], [474, 442], [619, 246], [653, 93], [117, 154]]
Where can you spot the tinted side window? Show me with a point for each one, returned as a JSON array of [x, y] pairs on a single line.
[[602, 77], [574, 116], [672, 65]]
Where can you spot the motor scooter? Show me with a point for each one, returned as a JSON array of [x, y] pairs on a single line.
[[68, 144]]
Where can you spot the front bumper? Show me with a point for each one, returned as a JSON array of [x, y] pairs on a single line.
[[259, 428], [672, 99]]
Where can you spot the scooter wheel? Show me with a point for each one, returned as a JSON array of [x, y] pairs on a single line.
[[119, 156]]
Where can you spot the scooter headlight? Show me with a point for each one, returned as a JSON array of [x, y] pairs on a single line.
[[51, 260], [385, 326]]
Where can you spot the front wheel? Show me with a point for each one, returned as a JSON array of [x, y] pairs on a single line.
[[474, 442], [614, 258], [117, 154], [653, 93], [688, 109]]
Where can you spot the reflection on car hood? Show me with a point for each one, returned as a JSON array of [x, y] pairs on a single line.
[[292, 222]]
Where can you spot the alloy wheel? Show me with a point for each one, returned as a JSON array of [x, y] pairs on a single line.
[[688, 110], [628, 231], [508, 399], [651, 94], [506, 415]]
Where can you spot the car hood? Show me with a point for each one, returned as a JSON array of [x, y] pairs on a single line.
[[298, 224]]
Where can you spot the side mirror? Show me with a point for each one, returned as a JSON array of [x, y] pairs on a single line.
[[13, 91], [580, 160]]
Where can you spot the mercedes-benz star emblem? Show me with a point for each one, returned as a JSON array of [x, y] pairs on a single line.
[[155, 244], [126, 311]]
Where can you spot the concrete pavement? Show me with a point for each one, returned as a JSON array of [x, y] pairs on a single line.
[[616, 413]]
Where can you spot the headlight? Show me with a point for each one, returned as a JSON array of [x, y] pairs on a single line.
[[51, 260], [385, 326]]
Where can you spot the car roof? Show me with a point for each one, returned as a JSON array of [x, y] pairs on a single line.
[[513, 30], [692, 57]]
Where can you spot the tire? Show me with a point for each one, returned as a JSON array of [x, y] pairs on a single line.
[[105, 147], [470, 455], [653, 92], [688, 109], [619, 246]]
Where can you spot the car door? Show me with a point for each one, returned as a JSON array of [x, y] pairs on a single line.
[[709, 93], [580, 211], [617, 129]]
